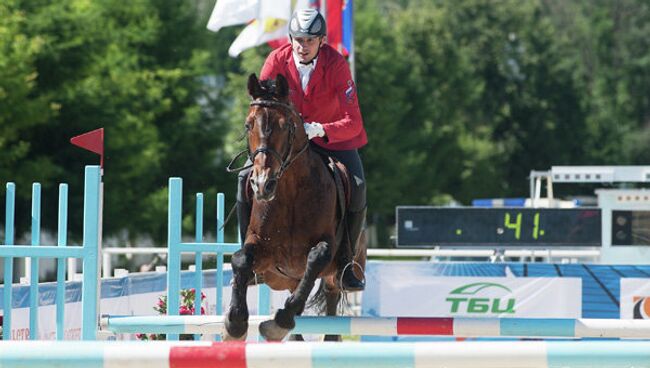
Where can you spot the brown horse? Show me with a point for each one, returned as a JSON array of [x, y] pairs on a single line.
[[292, 236]]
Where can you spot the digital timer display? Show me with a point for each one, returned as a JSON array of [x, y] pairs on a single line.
[[471, 226]]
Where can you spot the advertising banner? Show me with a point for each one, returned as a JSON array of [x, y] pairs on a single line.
[[430, 296], [635, 298]]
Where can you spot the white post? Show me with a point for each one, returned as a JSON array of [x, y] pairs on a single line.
[[72, 268], [106, 265], [27, 263]]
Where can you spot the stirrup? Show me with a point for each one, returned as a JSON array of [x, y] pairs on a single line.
[[348, 281]]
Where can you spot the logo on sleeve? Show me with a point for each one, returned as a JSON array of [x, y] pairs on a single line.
[[349, 92]]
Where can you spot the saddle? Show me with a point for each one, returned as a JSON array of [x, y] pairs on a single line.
[[342, 180]]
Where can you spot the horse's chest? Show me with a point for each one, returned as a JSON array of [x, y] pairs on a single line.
[[288, 253]]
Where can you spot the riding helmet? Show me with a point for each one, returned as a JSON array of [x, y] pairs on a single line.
[[307, 23]]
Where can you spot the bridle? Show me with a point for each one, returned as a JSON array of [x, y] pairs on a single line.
[[285, 160]]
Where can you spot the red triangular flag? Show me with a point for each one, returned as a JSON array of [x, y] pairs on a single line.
[[92, 141]]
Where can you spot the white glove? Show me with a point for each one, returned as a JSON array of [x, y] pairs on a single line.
[[314, 130]]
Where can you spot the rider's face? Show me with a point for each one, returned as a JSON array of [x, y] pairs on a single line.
[[306, 48]]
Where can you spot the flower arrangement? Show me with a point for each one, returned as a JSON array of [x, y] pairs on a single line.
[[186, 308]]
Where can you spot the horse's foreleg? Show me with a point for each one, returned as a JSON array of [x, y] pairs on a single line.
[[283, 322], [236, 321]]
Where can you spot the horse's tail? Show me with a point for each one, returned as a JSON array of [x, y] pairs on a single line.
[[329, 301], [319, 300]]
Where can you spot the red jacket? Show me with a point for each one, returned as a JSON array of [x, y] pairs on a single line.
[[330, 99]]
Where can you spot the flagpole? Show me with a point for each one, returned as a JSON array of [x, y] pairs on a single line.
[[94, 141], [323, 10], [351, 51]]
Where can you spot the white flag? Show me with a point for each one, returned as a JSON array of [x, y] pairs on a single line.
[[231, 12], [270, 24]]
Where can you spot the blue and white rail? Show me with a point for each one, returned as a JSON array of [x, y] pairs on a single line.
[[398, 326]]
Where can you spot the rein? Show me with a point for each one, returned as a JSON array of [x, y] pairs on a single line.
[[285, 161]]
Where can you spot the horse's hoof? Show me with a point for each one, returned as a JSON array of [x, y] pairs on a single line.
[[272, 332], [295, 337], [225, 336], [234, 330], [336, 338]]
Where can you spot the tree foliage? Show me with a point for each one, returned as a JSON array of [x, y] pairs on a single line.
[[144, 71]]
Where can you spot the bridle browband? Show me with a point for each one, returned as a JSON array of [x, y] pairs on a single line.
[[285, 161]]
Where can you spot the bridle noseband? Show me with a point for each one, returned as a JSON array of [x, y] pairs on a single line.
[[285, 160]]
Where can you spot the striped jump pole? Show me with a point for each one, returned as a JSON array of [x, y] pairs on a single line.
[[397, 326], [179, 354]]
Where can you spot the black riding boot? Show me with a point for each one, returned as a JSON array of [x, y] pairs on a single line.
[[349, 281], [244, 217]]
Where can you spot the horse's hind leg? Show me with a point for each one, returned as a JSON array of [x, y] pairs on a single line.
[[332, 298], [277, 328], [236, 321], [326, 300]]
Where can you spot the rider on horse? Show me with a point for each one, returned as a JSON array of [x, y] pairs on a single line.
[[323, 92]]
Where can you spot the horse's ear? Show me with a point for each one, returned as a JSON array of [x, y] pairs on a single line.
[[281, 86], [254, 88]]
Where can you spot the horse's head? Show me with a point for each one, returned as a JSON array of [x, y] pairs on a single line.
[[274, 131]]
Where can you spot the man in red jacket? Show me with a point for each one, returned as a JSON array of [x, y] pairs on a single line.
[[323, 92]]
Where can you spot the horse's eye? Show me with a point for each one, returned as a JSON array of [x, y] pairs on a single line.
[[247, 126]]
